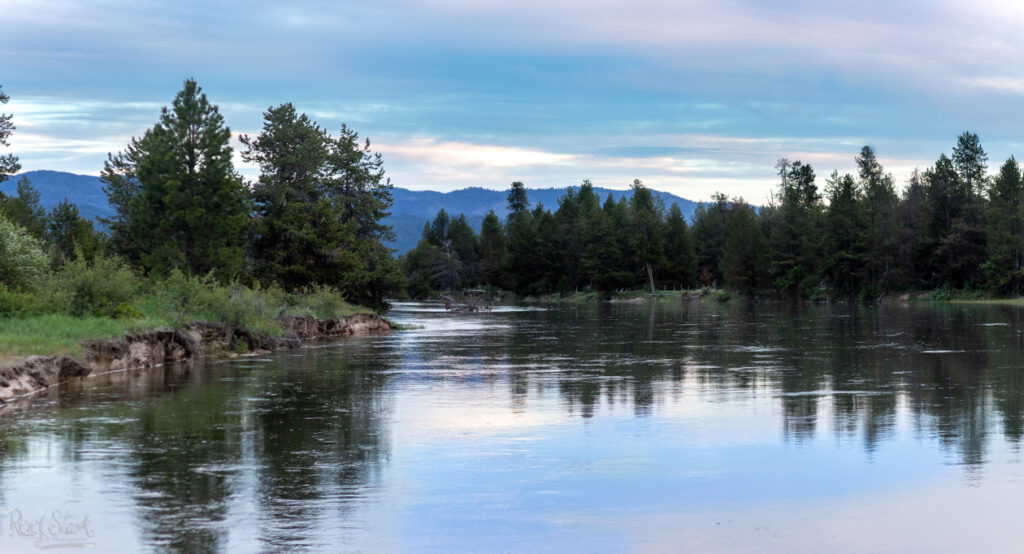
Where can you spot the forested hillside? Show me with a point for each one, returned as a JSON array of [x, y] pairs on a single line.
[[409, 211]]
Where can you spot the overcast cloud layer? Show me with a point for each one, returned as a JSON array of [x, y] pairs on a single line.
[[691, 97]]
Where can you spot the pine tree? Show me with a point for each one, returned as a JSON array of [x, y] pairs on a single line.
[[517, 200], [25, 210], [646, 235], [744, 260], [970, 161], [178, 202], [491, 247], [8, 162], [879, 204], [521, 265], [1003, 268], [297, 237], [709, 236], [844, 244], [680, 259], [916, 243], [71, 235], [320, 203], [954, 227], [795, 229]]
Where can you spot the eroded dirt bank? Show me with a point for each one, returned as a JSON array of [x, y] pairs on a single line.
[[163, 345]]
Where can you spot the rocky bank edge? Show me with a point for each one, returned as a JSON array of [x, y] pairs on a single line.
[[164, 345]]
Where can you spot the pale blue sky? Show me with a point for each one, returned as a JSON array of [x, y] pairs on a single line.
[[691, 97]]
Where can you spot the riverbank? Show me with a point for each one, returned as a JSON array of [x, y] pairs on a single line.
[[165, 345], [720, 296], [97, 317]]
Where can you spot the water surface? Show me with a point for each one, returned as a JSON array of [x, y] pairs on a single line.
[[588, 428]]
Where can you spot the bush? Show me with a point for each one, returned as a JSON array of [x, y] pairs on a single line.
[[22, 260], [184, 299], [321, 301], [18, 304], [106, 287]]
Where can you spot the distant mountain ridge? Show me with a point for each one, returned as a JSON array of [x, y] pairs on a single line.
[[410, 211]]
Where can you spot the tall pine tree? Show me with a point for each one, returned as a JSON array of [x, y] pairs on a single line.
[[178, 202]]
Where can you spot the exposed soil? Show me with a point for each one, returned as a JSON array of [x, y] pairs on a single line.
[[163, 345]]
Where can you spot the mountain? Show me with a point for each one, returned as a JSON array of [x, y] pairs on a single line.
[[54, 186], [411, 210]]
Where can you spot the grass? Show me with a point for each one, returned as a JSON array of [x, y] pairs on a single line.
[[58, 334], [107, 300]]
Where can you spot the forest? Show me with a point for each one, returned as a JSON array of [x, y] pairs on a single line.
[[312, 219], [952, 228]]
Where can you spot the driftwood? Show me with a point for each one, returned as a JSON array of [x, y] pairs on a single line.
[[472, 306]]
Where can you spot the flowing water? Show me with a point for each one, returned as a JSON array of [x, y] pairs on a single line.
[[693, 427]]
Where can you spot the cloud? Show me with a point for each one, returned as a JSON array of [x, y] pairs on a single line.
[[698, 95]]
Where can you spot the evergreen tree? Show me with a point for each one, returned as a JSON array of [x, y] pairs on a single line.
[[517, 200], [436, 232], [916, 244], [548, 254], [491, 250], [178, 202], [8, 162], [954, 227], [970, 161], [601, 262], [71, 235], [25, 210], [680, 259], [568, 221], [744, 260], [844, 246], [298, 238], [879, 204], [709, 237], [522, 265], [463, 241], [1003, 268], [646, 236], [795, 229], [320, 202]]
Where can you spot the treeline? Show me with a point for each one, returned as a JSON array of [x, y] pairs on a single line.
[[312, 221], [953, 226], [584, 243]]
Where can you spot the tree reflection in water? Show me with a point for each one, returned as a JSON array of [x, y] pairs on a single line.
[[291, 445]]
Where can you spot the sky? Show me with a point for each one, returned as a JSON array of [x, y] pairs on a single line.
[[691, 97]]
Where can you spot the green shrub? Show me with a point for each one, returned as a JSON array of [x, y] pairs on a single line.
[[106, 287], [183, 299], [22, 260], [18, 303], [321, 301]]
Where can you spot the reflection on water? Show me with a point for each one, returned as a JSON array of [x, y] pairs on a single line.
[[598, 427]]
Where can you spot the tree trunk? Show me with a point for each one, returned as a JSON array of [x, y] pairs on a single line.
[[650, 276]]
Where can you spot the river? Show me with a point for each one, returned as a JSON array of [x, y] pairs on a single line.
[[591, 428]]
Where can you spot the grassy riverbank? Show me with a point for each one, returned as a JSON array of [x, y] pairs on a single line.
[[105, 299]]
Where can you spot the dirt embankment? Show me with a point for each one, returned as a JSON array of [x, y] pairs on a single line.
[[162, 346]]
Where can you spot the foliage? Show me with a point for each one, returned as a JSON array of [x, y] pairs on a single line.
[[178, 202], [22, 260], [24, 210], [71, 236], [953, 228], [8, 162], [105, 286], [319, 205]]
